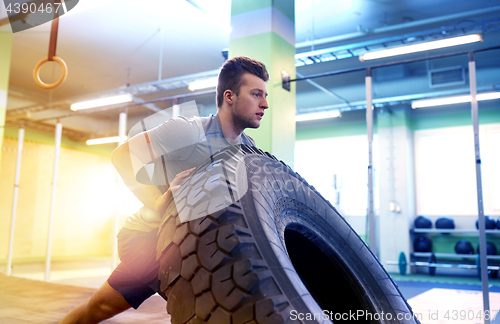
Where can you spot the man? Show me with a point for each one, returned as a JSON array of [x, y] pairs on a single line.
[[241, 103]]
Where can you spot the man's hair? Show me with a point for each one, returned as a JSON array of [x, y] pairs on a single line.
[[232, 71]]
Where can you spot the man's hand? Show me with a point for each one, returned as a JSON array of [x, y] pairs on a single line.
[[162, 200]]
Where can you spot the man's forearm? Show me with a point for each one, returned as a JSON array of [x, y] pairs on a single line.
[[122, 161]]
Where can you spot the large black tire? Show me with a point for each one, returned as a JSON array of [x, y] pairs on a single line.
[[271, 250]]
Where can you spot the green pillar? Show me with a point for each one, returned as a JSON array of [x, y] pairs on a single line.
[[265, 30], [5, 53]]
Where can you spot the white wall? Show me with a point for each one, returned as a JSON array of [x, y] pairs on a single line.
[[320, 161]]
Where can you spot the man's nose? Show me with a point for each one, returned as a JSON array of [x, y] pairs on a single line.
[[264, 104]]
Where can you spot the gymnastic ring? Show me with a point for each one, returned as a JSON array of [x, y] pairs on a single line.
[[36, 73]]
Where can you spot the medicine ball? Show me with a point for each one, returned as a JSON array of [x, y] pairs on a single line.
[[445, 222], [489, 223], [422, 244], [464, 247], [422, 222], [491, 249]]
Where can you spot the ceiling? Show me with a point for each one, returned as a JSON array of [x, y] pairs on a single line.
[[109, 44]]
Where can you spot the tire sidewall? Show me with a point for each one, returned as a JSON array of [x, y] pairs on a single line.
[[270, 184]]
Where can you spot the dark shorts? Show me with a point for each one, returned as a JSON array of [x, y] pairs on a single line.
[[136, 277]]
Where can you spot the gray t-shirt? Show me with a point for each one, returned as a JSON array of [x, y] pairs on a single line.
[[182, 144]]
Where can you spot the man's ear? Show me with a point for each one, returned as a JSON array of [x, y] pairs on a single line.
[[229, 96]]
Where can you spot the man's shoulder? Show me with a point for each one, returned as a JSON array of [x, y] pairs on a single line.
[[247, 140], [174, 134], [182, 120], [207, 120], [181, 124]]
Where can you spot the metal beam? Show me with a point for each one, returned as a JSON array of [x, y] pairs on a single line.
[[161, 85], [20, 140], [122, 128], [12, 113], [49, 128], [369, 125], [150, 106], [328, 92], [132, 104], [57, 146], [135, 90], [479, 188]]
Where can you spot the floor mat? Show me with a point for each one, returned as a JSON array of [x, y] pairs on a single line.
[[411, 289], [440, 306], [25, 301]]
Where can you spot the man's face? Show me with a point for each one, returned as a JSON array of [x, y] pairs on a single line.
[[249, 105]]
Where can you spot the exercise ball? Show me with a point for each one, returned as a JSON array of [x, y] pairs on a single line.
[[464, 247], [422, 222], [422, 244], [445, 222]]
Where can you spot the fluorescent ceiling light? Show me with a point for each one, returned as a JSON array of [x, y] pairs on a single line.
[[318, 115], [105, 140], [453, 100], [422, 47], [102, 102], [203, 84]]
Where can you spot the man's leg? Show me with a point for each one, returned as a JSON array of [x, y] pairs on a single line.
[[105, 303], [128, 286]]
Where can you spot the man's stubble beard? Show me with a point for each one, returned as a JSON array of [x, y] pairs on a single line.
[[240, 121]]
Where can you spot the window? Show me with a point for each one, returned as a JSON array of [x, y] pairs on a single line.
[[337, 168], [446, 174], [490, 155]]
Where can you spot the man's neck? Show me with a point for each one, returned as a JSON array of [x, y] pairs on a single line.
[[230, 131]]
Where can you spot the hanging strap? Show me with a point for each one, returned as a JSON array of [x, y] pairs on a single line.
[[53, 38], [52, 56]]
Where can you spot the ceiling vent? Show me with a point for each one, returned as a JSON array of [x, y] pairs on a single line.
[[445, 77], [393, 72]]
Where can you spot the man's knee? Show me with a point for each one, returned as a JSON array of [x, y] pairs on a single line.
[[106, 303]]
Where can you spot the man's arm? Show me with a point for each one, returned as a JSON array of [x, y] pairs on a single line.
[[138, 151]]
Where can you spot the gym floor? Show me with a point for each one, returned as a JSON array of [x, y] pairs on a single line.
[[25, 298]]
